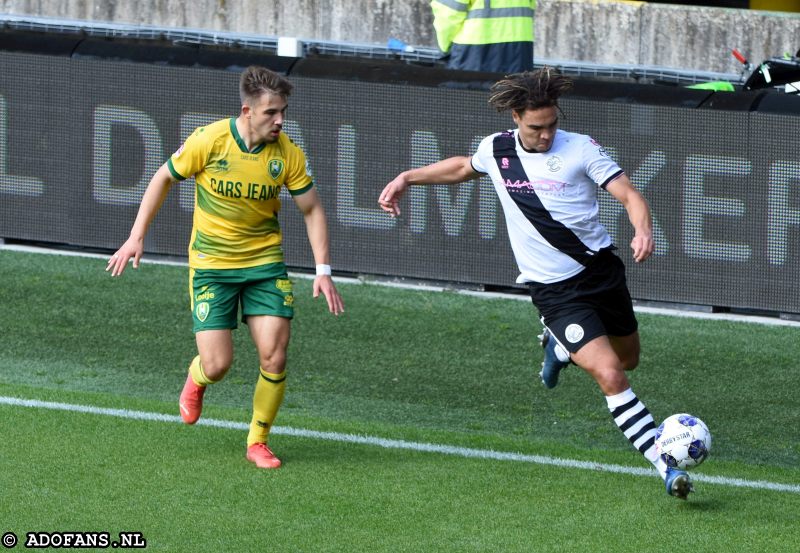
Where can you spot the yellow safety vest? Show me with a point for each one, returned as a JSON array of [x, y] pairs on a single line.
[[482, 21]]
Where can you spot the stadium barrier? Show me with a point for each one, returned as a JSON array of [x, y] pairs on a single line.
[[84, 123]]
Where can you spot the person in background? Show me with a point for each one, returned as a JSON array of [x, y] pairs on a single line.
[[240, 165], [485, 35]]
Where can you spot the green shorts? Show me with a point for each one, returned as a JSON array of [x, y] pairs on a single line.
[[217, 293]]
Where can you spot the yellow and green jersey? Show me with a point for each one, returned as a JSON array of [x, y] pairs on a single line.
[[236, 202]]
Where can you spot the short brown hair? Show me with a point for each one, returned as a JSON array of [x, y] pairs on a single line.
[[256, 80], [529, 90]]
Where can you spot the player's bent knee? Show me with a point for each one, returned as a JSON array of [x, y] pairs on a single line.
[[216, 368], [611, 381], [273, 363]]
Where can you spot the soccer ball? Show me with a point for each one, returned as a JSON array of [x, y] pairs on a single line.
[[683, 441]]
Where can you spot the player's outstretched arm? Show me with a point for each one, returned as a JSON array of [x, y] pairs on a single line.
[[310, 206], [453, 170], [642, 243], [151, 202]]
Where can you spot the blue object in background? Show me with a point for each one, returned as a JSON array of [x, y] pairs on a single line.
[[398, 45]]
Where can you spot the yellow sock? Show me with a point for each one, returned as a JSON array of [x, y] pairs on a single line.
[[267, 400], [198, 376]]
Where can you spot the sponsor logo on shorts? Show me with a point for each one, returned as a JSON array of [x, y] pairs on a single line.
[[288, 300], [283, 285], [573, 333], [205, 294], [201, 310]]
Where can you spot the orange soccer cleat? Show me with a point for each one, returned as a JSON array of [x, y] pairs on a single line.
[[191, 401], [262, 456]]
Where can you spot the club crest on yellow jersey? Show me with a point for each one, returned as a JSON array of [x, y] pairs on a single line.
[[275, 167]]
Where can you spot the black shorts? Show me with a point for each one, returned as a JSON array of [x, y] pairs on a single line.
[[593, 303]]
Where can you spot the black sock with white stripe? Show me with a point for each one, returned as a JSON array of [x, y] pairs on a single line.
[[637, 424]]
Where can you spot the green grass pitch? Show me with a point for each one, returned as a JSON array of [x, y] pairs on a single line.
[[422, 367]]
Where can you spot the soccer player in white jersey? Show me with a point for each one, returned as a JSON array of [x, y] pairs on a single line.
[[547, 180]]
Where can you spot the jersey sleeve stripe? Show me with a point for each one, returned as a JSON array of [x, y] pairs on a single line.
[[611, 178], [473, 167], [172, 170], [303, 190]]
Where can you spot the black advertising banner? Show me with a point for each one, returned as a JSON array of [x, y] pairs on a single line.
[[80, 138]]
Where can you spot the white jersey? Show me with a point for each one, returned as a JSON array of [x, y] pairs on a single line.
[[549, 200]]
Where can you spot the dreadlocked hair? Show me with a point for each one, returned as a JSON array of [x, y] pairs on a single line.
[[529, 90]]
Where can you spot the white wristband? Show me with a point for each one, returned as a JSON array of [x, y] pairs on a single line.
[[323, 269]]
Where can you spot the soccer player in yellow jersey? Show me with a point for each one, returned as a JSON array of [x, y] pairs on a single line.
[[235, 257]]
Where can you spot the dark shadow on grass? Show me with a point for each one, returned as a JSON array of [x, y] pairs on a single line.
[[702, 504]]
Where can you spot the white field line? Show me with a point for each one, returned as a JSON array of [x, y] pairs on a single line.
[[443, 449], [667, 311]]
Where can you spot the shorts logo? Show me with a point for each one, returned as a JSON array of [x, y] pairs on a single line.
[[201, 310], [275, 167], [288, 300], [283, 285], [574, 333], [205, 294]]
